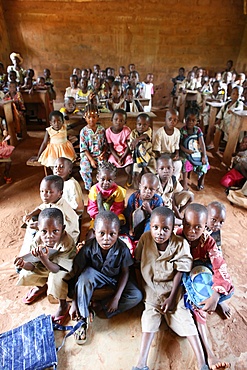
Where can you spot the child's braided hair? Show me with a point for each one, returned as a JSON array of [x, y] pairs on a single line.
[[108, 166]]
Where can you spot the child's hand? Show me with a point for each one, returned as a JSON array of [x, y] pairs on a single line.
[[168, 305], [204, 160], [112, 305], [19, 262], [101, 156], [93, 163], [41, 252], [33, 224], [26, 218], [146, 206], [210, 304]]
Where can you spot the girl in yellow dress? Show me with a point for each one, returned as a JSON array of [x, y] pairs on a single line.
[[55, 143]]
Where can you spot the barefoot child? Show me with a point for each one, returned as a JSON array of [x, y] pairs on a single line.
[[55, 143], [205, 253], [163, 257], [103, 261], [72, 192], [48, 271], [170, 189], [117, 137]]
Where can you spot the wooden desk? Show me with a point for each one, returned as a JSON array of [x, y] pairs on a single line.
[[238, 124], [214, 108], [80, 104], [189, 95], [38, 97], [7, 113]]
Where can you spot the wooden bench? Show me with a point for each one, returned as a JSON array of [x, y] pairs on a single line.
[[40, 97], [7, 113]]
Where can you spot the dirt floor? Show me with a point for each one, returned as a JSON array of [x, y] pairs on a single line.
[[114, 344]]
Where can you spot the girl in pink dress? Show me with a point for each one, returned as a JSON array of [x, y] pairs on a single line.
[[117, 137]]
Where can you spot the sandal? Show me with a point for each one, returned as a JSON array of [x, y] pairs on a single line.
[[33, 294], [200, 187], [140, 368], [60, 320], [80, 335]]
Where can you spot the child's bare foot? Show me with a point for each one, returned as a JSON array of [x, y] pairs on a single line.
[[62, 313], [215, 364], [225, 310]]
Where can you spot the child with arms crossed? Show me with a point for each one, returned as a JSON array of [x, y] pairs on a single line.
[[51, 191], [93, 145], [163, 257], [167, 140], [206, 253], [140, 143], [72, 192], [48, 272], [170, 189], [117, 137], [103, 261]]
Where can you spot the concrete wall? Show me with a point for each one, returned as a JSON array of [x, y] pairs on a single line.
[[158, 36]]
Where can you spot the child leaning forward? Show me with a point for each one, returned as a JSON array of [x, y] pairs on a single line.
[[163, 257], [103, 261]]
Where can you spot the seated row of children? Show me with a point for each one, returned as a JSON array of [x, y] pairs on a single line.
[[161, 260]]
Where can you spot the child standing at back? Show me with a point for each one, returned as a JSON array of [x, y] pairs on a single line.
[[140, 143], [162, 258], [93, 145], [193, 149], [167, 140], [48, 271], [55, 143], [205, 253], [117, 137], [72, 192]]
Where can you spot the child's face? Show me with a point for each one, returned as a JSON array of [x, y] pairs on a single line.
[[132, 67], [30, 73], [150, 78], [234, 95], [147, 188], [191, 121], [116, 91], [165, 169], [106, 179], [77, 72], [70, 105], [216, 218], [125, 79], [216, 88], [118, 121], [12, 76], [134, 78], [171, 120], [129, 95], [106, 233], [121, 70], [12, 88], [73, 82], [193, 225], [142, 125], [47, 73], [84, 84], [218, 76], [243, 144], [49, 192], [91, 118], [62, 168], [41, 81], [56, 122], [161, 229], [50, 230], [181, 72]]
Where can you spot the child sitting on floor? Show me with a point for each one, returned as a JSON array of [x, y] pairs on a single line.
[[205, 254], [51, 191], [106, 195], [46, 269], [140, 143], [193, 149], [170, 189], [167, 140], [55, 143], [143, 201], [117, 137], [163, 257], [103, 261], [93, 145], [72, 192]]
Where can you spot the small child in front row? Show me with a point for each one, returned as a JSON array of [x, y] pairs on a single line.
[[51, 191], [143, 201], [69, 108], [106, 195], [140, 143], [170, 189], [163, 257], [93, 145], [117, 137], [206, 253], [48, 271], [193, 149], [167, 140], [103, 261], [55, 143], [72, 192]]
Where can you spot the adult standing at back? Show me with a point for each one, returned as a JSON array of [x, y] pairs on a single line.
[[17, 61]]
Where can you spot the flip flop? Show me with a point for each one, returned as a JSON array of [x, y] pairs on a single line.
[[33, 294], [80, 335], [61, 319], [140, 368]]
